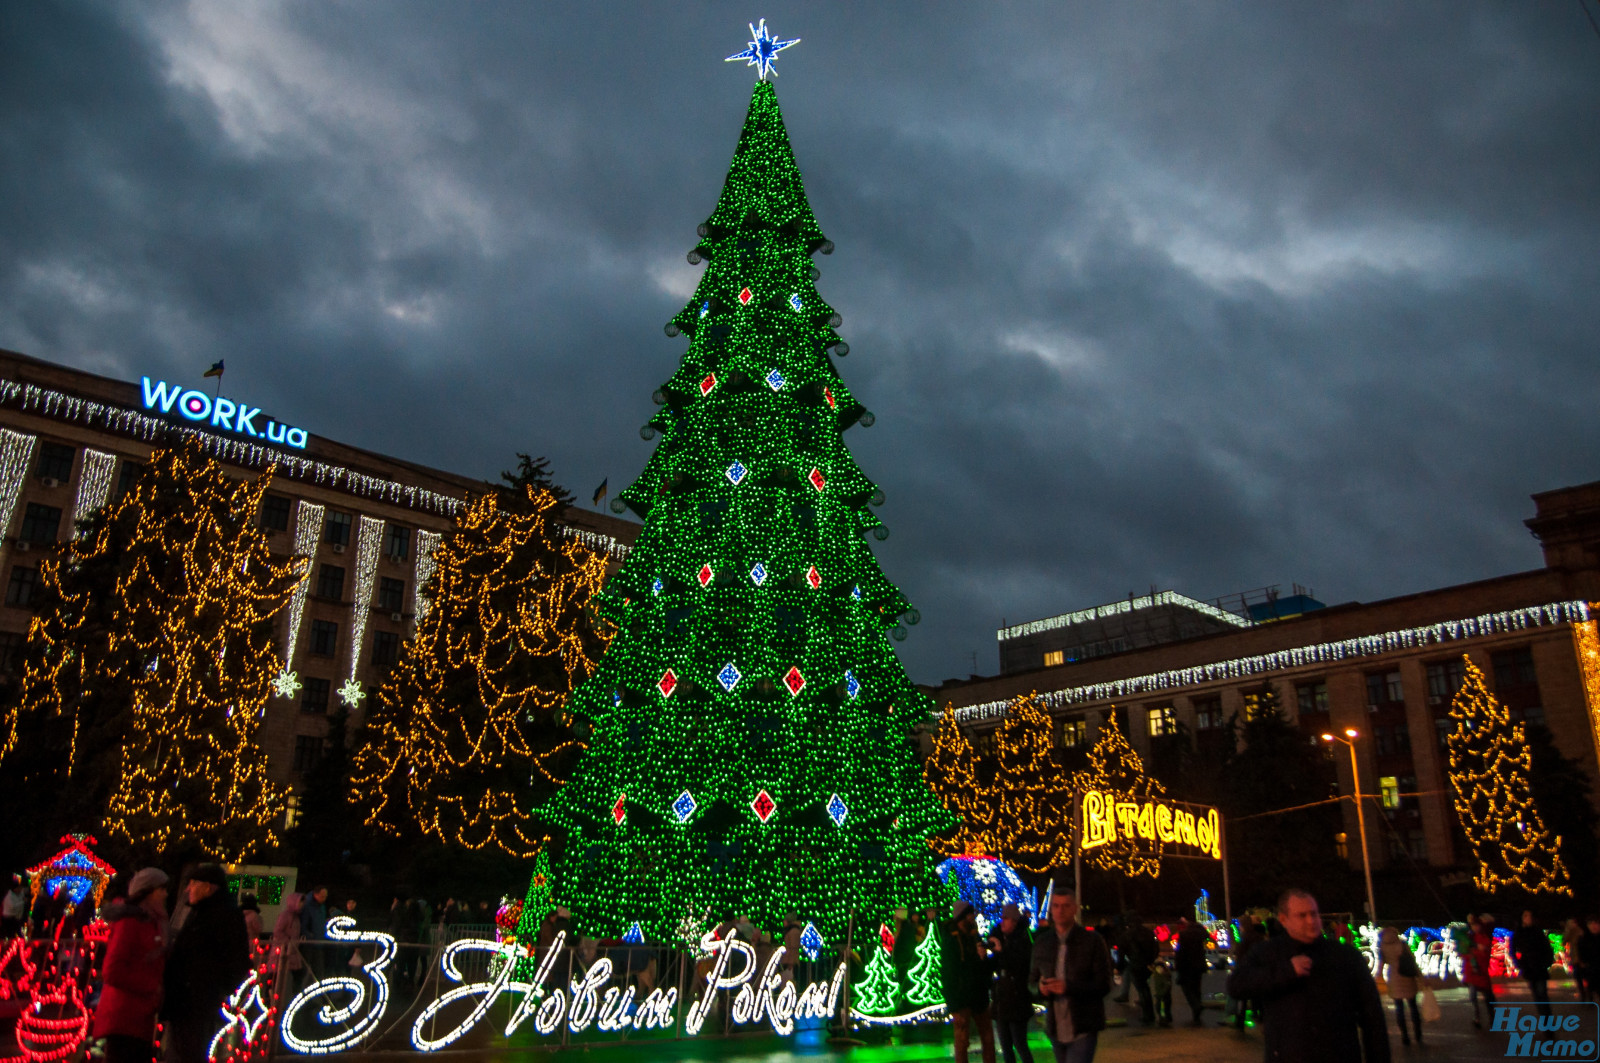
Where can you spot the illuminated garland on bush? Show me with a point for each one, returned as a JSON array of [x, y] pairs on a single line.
[[427, 542], [952, 774], [187, 655], [1115, 767], [750, 749], [469, 713], [1489, 767], [16, 455]]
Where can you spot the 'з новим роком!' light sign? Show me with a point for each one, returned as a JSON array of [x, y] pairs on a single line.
[[219, 412]]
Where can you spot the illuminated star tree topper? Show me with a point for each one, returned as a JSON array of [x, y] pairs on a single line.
[[762, 51]]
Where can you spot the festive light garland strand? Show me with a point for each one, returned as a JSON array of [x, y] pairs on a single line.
[[1586, 647], [307, 533], [1101, 612], [16, 455], [368, 538], [1490, 764], [94, 483], [31, 398], [1114, 766], [1302, 656], [427, 542]]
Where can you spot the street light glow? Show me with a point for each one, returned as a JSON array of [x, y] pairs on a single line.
[[1327, 738], [1352, 732]]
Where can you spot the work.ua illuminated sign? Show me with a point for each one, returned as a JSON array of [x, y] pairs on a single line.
[[219, 412]]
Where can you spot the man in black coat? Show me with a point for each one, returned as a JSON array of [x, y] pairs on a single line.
[[1190, 965], [964, 977], [1530, 946], [1011, 950], [209, 958], [1071, 967], [1313, 993]]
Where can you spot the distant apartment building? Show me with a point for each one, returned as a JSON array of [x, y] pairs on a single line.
[[1388, 669], [72, 441]]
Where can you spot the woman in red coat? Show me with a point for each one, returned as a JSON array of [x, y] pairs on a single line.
[[1475, 966], [135, 956]]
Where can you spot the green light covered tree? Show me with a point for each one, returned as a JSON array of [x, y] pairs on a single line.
[[749, 748], [879, 988], [925, 990]]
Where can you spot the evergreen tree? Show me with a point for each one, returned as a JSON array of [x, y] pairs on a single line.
[[469, 729], [1275, 768], [951, 773], [750, 751], [1490, 769], [1563, 793], [535, 473], [1115, 767], [153, 648], [327, 825], [925, 989]]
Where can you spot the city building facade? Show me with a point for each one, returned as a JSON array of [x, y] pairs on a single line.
[[1387, 670], [72, 441]]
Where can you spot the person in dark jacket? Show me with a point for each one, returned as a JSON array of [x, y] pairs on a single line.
[[1530, 947], [1190, 966], [1071, 968], [1251, 934], [964, 976], [1011, 947], [1142, 953], [313, 929], [1588, 950], [210, 957], [1316, 997], [131, 974]]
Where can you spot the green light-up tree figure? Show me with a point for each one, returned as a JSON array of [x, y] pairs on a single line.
[[748, 727], [925, 990], [877, 993]]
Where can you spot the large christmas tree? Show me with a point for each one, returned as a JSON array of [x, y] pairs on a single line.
[[151, 659], [750, 748], [1490, 765], [460, 744]]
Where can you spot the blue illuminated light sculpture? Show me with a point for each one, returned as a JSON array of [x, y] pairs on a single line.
[[763, 50]]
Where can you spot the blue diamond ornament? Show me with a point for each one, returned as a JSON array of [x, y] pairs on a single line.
[[736, 473], [775, 380], [758, 574], [810, 941], [684, 806], [852, 685], [837, 810], [728, 677]]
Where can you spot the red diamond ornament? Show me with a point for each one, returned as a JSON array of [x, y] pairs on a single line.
[[885, 938], [745, 296], [668, 684], [619, 810], [814, 578], [763, 806], [794, 681], [827, 393], [705, 574], [707, 384], [818, 480]]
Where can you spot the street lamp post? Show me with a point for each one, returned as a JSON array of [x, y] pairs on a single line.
[[1361, 819]]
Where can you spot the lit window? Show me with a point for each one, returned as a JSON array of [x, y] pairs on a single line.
[[1389, 791], [1074, 733], [1163, 721], [291, 811], [1053, 658]]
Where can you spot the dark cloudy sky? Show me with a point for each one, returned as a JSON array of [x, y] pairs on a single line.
[[1207, 296]]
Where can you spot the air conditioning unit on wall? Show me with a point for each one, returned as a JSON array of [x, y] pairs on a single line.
[[49, 481], [397, 617], [338, 548]]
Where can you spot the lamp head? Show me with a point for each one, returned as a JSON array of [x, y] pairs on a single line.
[[1352, 732], [1327, 738]]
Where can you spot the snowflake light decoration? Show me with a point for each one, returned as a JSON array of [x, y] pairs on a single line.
[[352, 693], [286, 684], [762, 51]]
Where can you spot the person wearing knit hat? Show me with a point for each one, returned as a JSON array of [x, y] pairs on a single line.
[[210, 956], [964, 976], [126, 1015]]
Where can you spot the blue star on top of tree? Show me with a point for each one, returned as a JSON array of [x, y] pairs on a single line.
[[763, 50]]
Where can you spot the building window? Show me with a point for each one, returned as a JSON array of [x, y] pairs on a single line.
[[399, 542], [336, 532], [324, 637], [1380, 741], [1163, 721], [1533, 714], [275, 512], [1311, 697], [11, 643], [1514, 668], [330, 582], [1445, 679], [385, 649], [55, 462], [391, 595], [1383, 688], [24, 581], [1417, 842], [307, 751], [1441, 727], [986, 743], [127, 476], [1074, 733], [1053, 658], [291, 811], [1208, 714], [315, 696], [1255, 702], [40, 523], [1389, 792]]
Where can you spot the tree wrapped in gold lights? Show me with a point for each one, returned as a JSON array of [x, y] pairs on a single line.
[[1115, 766], [1489, 771], [473, 711], [152, 656], [1021, 810]]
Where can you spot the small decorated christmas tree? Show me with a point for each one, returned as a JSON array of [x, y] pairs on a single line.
[[1115, 767], [924, 990], [879, 989], [1489, 771], [473, 712]]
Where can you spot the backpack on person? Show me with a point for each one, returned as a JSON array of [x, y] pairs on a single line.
[[1407, 965]]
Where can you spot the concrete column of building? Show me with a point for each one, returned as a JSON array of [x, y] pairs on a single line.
[[1428, 763], [1347, 708]]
